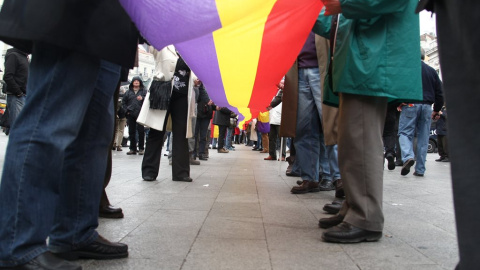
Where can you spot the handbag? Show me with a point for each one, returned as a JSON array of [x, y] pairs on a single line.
[[233, 122], [160, 92], [150, 117]]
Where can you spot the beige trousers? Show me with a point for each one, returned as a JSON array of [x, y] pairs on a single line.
[[360, 158]]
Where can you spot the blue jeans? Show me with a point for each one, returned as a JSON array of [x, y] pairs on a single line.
[[309, 134], [415, 119], [259, 140], [14, 106], [332, 158], [57, 155], [228, 139]]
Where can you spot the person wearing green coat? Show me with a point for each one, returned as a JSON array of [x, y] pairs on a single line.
[[376, 49]]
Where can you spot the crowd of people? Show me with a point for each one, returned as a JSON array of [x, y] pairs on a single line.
[[340, 105]]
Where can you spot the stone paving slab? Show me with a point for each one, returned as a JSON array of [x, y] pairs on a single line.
[[239, 214]]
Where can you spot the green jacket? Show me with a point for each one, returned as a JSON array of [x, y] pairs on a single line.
[[377, 50]]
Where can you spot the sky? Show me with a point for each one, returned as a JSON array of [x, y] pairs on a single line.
[[427, 23]]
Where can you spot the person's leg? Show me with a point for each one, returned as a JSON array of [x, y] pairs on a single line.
[[153, 153], [85, 166], [406, 131], [141, 136], [32, 173], [265, 142], [180, 157], [120, 129], [132, 134], [15, 105], [228, 139], [221, 136], [423, 135], [203, 130], [361, 119], [459, 56], [272, 139], [307, 141], [259, 140], [389, 135]]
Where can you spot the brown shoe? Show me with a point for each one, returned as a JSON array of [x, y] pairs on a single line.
[[132, 152], [307, 186], [119, 148], [264, 151], [222, 150], [269, 158]]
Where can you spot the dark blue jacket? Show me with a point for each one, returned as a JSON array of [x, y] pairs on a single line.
[[432, 87]]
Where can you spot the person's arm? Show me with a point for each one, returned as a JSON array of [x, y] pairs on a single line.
[[11, 63], [437, 106], [277, 99], [322, 25]]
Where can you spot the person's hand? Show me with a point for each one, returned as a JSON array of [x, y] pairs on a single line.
[[280, 85], [197, 82], [269, 108], [399, 107], [210, 102], [435, 115], [139, 98], [332, 7]]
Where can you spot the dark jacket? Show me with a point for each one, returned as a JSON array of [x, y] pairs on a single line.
[[16, 72], [441, 129], [203, 109], [100, 28], [432, 87], [277, 99], [130, 103], [222, 117]]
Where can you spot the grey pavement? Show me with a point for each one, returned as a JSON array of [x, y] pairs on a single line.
[[238, 213]]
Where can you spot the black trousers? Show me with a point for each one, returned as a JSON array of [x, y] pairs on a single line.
[[272, 141], [389, 131], [442, 146], [178, 110], [201, 129], [221, 136], [133, 127], [458, 43]]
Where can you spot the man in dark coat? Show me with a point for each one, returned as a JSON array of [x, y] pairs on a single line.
[[56, 158], [132, 104], [16, 74], [458, 43], [222, 120], [204, 114]]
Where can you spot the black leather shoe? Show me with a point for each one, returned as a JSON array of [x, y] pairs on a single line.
[[332, 208], [347, 233], [326, 223], [149, 178], [46, 261], [299, 182], [110, 212], [290, 173], [202, 158], [339, 191], [418, 174], [391, 162], [440, 159], [406, 166], [183, 179], [100, 249], [326, 185]]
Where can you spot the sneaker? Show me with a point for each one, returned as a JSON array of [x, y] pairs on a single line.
[[141, 152]]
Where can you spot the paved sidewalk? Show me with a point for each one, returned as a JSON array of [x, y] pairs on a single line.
[[239, 214]]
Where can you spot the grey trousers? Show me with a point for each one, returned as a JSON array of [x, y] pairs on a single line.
[[360, 158]]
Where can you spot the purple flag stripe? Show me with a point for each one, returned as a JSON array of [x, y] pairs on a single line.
[[174, 21]]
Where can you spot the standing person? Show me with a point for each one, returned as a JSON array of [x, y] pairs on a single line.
[[441, 131], [169, 66], [204, 114], [15, 76], [459, 56], [390, 136], [385, 40], [56, 157], [222, 120], [132, 102], [275, 112], [415, 118]]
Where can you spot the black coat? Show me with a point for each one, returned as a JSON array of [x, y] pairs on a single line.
[[222, 117], [16, 72], [203, 109], [130, 102], [100, 28]]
